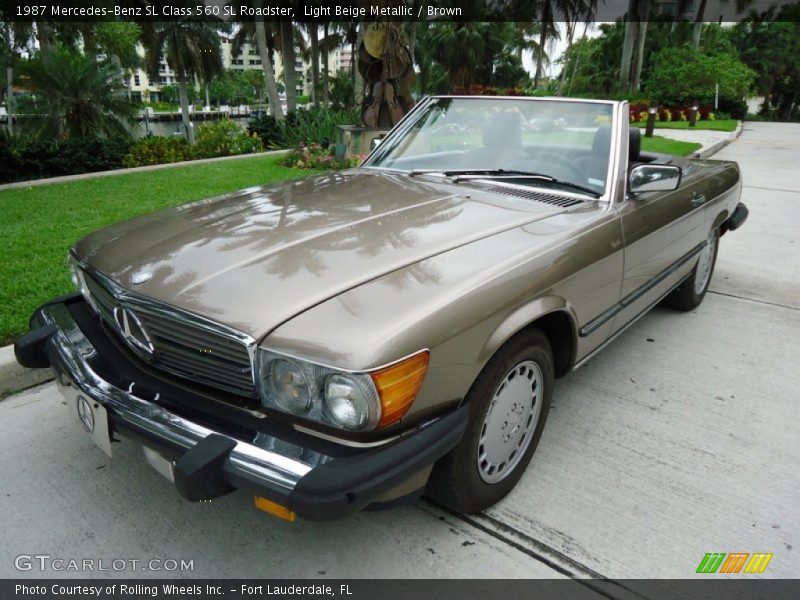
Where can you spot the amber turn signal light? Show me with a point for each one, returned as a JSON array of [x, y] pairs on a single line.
[[398, 386]]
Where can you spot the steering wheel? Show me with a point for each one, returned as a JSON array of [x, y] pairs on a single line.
[[557, 166]]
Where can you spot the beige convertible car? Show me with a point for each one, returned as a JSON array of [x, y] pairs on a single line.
[[355, 339]]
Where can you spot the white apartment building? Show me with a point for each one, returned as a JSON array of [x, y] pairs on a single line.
[[147, 89]]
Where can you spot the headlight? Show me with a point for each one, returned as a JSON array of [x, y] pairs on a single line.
[[353, 401], [76, 273], [346, 401], [287, 386]]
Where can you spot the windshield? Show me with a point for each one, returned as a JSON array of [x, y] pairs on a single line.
[[568, 142]]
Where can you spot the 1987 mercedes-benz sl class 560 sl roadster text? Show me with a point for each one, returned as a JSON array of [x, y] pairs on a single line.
[[357, 338]]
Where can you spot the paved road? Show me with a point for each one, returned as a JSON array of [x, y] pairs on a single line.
[[681, 438]]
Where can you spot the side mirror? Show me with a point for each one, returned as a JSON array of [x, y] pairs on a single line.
[[654, 178]]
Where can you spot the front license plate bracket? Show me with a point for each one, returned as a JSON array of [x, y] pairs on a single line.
[[92, 417]]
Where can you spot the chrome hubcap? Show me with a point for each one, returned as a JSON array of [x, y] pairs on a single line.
[[510, 421], [704, 263]]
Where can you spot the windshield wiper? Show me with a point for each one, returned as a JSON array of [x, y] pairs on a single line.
[[468, 174], [457, 174]]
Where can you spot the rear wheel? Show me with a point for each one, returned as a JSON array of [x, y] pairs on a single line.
[[508, 403], [690, 293]]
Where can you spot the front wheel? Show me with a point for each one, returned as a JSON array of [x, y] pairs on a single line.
[[689, 294], [509, 403]]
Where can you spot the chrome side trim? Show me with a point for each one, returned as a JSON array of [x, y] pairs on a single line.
[[611, 312], [72, 367]]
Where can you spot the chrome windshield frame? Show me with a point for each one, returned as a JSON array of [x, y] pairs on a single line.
[[615, 175]]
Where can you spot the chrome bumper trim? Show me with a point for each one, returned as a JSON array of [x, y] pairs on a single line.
[[75, 353]]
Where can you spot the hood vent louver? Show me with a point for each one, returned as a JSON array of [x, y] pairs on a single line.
[[533, 195]]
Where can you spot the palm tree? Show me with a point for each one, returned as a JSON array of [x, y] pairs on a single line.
[[332, 38], [697, 31], [313, 54], [75, 96], [548, 30], [268, 68], [256, 31], [15, 38], [289, 76], [192, 50], [575, 12], [636, 19]]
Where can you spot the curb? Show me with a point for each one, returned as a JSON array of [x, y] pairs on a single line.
[[713, 149], [15, 378], [115, 172]]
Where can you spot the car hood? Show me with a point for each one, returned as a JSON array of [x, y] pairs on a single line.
[[255, 258]]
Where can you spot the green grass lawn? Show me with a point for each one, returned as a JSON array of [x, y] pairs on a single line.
[[721, 125], [38, 224], [665, 146]]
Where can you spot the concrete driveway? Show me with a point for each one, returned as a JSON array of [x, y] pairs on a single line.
[[681, 438]]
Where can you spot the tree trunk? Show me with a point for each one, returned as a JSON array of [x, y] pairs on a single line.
[[358, 80], [540, 58], [289, 78], [644, 17], [697, 31], [637, 73], [208, 100], [577, 61], [183, 88], [571, 27], [314, 35], [268, 69], [627, 45], [326, 100], [45, 35], [10, 95], [412, 36]]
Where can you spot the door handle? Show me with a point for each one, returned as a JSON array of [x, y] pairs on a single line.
[[698, 199]]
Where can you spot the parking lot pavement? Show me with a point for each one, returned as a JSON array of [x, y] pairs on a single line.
[[679, 439]]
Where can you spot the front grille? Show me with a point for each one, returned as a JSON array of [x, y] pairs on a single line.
[[185, 344]]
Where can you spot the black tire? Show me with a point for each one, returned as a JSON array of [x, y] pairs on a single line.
[[455, 480], [686, 296]]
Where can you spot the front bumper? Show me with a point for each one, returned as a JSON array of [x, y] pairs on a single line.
[[214, 458]]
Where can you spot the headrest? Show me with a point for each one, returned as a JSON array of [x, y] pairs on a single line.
[[602, 140], [504, 130], [634, 144]]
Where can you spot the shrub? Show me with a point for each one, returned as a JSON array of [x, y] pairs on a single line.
[[266, 128], [314, 156], [303, 127], [736, 108], [157, 150], [22, 158], [224, 138]]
